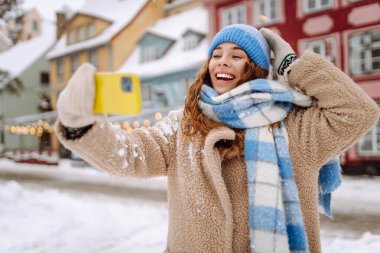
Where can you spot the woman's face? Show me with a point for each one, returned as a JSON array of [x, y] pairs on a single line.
[[227, 65]]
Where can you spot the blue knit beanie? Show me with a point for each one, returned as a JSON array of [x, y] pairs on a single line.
[[248, 38]]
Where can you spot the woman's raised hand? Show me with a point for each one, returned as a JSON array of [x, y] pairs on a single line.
[[76, 101], [283, 52]]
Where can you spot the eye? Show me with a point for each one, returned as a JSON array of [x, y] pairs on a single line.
[[236, 57], [216, 56]]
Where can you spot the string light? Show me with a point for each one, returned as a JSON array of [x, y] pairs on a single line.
[[136, 124], [158, 116], [117, 124], [146, 123], [126, 125]]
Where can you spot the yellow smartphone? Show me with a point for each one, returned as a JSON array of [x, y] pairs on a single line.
[[117, 93]]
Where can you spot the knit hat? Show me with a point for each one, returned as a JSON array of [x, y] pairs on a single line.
[[248, 38]]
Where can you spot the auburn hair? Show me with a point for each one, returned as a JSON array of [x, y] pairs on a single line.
[[197, 125]]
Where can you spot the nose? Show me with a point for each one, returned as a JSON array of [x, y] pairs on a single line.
[[223, 61]]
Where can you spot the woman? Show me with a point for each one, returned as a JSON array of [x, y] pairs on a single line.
[[243, 156]]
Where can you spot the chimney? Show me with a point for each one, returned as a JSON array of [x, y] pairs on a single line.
[[61, 18]]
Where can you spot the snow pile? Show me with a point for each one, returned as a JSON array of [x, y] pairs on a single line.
[[358, 197], [40, 220], [368, 243], [35, 219]]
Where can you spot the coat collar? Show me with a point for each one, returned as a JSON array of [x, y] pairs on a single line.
[[213, 169]]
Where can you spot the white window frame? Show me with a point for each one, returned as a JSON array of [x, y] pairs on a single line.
[[365, 49], [190, 42], [263, 16], [91, 30], [149, 53], [318, 6], [81, 33], [71, 37], [146, 90], [35, 25], [74, 62], [60, 69], [372, 138], [93, 57], [322, 45], [236, 14]]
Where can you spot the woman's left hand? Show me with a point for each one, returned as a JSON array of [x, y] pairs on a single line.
[[283, 52]]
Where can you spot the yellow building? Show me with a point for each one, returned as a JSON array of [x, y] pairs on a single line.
[[104, 33]]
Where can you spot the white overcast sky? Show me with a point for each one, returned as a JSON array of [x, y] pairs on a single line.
[[47, 8]]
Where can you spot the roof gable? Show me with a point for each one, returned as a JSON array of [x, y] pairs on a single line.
[[120, 13], [176, 58]]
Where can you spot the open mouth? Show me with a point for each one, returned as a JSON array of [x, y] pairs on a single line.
[[225, 76]]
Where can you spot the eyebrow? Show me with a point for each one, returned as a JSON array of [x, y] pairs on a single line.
[[234, 48]]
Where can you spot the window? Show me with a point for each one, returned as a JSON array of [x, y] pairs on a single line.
[[365, 52], [191, 41], [71, 37], [19, 20], [93, 57], [74, 62], [370, 143], [316, 5], [233, 15], [146, 92], [80, 33], [44, 78], [267, 12], [149, 53], [35, 26], [91, 30], [325, 47], [60, 69]]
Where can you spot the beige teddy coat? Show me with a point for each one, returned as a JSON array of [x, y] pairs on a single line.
[[207, 196]]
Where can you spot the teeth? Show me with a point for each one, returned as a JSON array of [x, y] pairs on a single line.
[[222, 75]]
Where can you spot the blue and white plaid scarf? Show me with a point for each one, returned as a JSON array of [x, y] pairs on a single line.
[[275, 217]]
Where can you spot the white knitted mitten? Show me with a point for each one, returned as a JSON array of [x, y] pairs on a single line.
[[76, 101], [283, 52]]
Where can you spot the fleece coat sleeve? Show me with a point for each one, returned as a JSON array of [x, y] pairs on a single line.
[[342, 113], [143, 152]]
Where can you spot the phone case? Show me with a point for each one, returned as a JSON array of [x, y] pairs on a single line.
[[117, 93]]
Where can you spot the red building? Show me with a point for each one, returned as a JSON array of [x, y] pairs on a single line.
[[346, 32]]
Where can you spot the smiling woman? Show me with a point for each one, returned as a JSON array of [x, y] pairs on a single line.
[[227, 66], [246, 157]]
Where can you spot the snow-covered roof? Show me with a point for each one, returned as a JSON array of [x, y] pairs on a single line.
[[174, 26], [175, 59], [19, 57], [120, 13]]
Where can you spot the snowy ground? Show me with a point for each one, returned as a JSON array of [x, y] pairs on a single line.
[[35, 218]]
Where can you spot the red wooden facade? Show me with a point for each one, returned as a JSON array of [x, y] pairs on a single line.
[[346, 32]]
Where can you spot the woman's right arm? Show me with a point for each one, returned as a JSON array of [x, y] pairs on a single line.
[[144, 152]]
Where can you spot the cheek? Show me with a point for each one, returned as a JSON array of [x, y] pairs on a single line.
[[246, 66], [242, 69], [211, 66]]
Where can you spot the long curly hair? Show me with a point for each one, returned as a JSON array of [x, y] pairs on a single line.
[[197, 125]]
